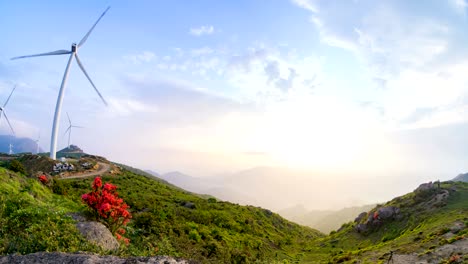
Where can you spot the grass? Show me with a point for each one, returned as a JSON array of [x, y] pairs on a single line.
[[35, 218]]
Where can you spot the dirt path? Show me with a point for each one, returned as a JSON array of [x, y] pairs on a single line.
[[103, 168]]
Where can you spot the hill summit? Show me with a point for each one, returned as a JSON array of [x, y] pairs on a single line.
[[71, 149]]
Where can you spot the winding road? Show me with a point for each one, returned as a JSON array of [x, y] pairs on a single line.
[[103, 168]]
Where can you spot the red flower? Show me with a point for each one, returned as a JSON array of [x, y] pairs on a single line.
[[43, 179], [97, 183], [106, 205]]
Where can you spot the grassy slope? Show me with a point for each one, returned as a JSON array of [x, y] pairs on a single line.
[[32, 219], [420, 230]]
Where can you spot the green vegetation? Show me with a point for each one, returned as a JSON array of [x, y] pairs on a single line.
[[165, 221], [420, 228], [170, 221], [33, 219], [174, 222]]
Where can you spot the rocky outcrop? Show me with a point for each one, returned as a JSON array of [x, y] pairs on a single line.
[[425, 187], [360, 217], [376, 219], [98, 234], [66, 258]]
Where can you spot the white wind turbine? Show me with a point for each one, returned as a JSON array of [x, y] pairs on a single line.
[[37, 142], [73, 54], [2, 110], [69, 130]]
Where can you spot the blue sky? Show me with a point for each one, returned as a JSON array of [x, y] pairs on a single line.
[[210, 87]]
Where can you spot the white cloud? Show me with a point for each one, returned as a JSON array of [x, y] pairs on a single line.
[[201, 51], [306, 4], [405, 54], [143, 57], [203, 30], [459, 6]]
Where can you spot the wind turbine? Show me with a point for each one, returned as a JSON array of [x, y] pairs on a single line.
[[37, 142], [73, 54], [69, 130], [2, 110]]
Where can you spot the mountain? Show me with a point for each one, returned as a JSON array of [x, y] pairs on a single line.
[[461, 177], [279, 188], [324, 220], [20, 145], [153, 173]]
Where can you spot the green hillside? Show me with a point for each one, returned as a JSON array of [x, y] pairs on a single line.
[[425, 221], [170, 221], [166, 221]]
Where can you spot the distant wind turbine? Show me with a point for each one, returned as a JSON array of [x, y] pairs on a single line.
[[2, 110], [11, 149], [37, 143], [69, 129], [73, 54]]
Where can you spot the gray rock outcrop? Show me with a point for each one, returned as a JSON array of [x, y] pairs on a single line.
[[98, 234], [66, 258], [376, 219]]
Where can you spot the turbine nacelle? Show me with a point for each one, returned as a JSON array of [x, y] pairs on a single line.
[[74, 48]]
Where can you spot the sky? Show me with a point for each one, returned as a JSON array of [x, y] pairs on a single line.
[[214, 87]]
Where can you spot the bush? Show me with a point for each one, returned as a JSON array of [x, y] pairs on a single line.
[[106, 206], [17, 166]]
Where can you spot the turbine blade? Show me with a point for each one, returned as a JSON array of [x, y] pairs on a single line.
[[68, 129], [8, 121], [57, 52], [69, 121], [87, 76], [6, 102], [78, 126], [83, 40]]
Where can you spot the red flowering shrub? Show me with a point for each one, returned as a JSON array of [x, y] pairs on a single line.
[[107, 207], [43, 179]]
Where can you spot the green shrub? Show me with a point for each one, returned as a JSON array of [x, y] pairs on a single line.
[[17, 166]]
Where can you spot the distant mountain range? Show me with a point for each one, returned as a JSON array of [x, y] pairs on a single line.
[[279, 188], [19, 145], [323, 220], [461, 177]]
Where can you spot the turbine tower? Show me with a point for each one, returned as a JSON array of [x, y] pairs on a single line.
[[2, 110], [11, 149], [69, 130], [37, 142], [73, 54]]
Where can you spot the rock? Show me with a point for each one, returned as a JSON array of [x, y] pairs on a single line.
[[457, 227], [189, 205], [448, 235], [440, 198], [425, 187], [98, 234], [67, 258], [360, 217], [377, 218], [361, 228], [389, 212]]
